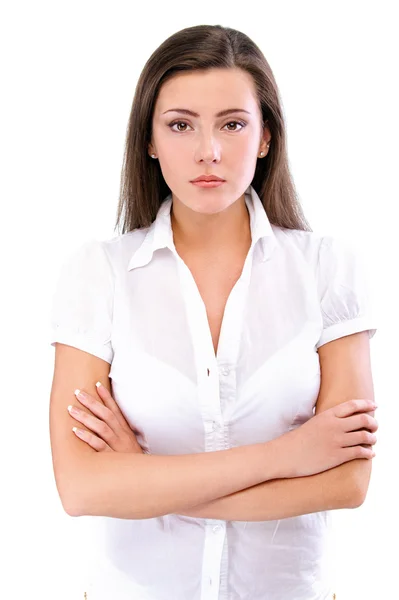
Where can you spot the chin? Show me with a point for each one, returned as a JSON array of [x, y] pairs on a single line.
[[206, 201], [210, 208]]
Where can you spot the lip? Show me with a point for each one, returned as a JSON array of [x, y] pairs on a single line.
[[208, 184], [207, 178]]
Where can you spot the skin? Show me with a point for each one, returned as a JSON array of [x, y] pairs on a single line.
[[213, 220]]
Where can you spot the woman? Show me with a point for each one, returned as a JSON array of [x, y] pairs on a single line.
[[223, 321]]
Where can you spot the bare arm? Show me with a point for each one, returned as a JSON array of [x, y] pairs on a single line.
[[283, 498], [140, 486]]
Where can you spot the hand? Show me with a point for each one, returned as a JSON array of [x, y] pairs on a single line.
[[329, 439], [111, 432]]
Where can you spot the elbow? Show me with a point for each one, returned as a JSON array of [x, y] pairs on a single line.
[[73, 500], [355, 482], [351, 496], [357, 500], [71, 510], [363, 482], [359, 495], [72, 505]]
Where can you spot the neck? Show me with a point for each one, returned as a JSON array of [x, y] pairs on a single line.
[[226, 232]]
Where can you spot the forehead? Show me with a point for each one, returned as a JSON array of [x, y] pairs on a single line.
[[205, 91]]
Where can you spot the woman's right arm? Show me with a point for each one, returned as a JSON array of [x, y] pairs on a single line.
[[138, 486]]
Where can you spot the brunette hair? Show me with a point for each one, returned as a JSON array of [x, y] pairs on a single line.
[[142, 186]]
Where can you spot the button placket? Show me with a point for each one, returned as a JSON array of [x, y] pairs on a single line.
[[220, 388], [211, 568]]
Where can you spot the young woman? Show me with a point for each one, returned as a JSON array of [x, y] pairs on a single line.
[[231, 342]]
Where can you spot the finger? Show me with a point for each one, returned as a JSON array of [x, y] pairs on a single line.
[[110, 403], [97, 408], [92, 440], [95, 425], [345, 409], [360, 421], [360, 438]]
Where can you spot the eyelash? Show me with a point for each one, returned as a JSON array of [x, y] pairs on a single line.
[[179, 121]]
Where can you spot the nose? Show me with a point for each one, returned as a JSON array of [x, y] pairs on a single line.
[[208, 151], [208, 157]]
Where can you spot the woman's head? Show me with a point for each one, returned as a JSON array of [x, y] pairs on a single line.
[[206, 69], [188, 146]]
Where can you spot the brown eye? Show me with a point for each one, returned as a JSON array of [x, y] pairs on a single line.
[[240, 123], [177, 123]]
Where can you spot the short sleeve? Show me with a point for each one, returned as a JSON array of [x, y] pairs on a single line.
[[344, 291], [82, 304]]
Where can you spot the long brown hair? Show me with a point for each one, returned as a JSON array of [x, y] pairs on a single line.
[[202, 47]]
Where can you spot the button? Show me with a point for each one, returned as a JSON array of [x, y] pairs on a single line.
[[225, 371], [217, 528]]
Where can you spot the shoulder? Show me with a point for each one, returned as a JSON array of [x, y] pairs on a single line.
[[316, 247], [100, 259], [119, 249], [297, 244]]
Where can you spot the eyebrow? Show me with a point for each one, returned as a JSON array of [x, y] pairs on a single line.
[[222, 113]]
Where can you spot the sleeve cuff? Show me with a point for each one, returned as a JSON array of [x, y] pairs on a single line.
[[82, 342], [346, 328]]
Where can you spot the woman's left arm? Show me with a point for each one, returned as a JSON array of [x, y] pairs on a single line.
[[345, 373], [283, 498]]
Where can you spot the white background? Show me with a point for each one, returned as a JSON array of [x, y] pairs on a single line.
[[68, 75]]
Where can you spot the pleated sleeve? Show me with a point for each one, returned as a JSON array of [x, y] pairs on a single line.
[[82, 303], [344, 291]]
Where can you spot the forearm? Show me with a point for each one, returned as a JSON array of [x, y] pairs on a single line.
[[282, 498], [141, 486]]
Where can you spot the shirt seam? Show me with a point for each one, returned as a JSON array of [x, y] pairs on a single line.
[[105, 251]]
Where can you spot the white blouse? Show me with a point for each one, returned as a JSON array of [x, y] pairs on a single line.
[[132, 301]]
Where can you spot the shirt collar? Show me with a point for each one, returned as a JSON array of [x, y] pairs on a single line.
[[160, 233]]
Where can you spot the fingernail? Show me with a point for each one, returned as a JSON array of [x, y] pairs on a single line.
[[98, 384]]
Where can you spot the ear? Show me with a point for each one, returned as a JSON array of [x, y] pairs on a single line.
[[265, 139]]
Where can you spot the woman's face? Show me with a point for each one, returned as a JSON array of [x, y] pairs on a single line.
[[188, 146]]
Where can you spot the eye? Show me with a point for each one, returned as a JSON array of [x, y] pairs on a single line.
[[241, 123], [176, 123]]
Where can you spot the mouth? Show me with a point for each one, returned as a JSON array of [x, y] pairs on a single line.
[[207, 178], [213, 183]]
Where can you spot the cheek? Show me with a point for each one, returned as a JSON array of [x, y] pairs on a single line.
[[244, 157], [243, 150], [174, 168], [244, 163]]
